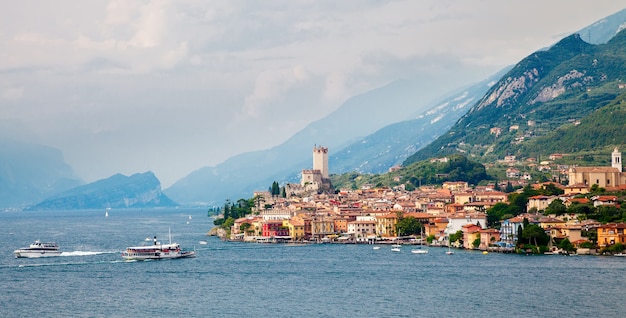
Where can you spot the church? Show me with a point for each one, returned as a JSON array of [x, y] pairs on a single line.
[[605, 177]]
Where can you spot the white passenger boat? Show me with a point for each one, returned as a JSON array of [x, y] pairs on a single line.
[[38, 249], [156, 251]]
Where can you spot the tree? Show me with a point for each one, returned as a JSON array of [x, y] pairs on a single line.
[[458, 236], [534, 234], [275, 189], [509, 187], [408, 226], [244, 227], [566, 245], [496, 212], [556, 207], [476, 242], [257, 201]]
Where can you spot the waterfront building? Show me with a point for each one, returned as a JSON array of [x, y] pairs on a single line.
[[295, 226], [612, 233], [488, 237], [572, 232], [362, 228], [321, 226], [386, 224], [471, 232], [457, 221], [274, 228]]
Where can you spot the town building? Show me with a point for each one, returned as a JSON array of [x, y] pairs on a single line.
[[602, 176], [612, 233]]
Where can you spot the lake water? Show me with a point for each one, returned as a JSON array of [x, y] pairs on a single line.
[[267, 280]]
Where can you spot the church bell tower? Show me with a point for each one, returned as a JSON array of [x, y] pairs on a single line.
[[616, 159]]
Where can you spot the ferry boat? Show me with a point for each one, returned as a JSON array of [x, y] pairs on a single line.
[[38, 249], [156, 251]]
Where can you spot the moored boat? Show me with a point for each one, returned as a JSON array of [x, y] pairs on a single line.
[[156, 251], [38, 249]]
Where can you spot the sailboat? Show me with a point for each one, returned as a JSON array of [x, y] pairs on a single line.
[[449, 252], [419, 250], [106, 213]]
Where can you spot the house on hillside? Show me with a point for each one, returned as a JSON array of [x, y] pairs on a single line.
[[602, 176]]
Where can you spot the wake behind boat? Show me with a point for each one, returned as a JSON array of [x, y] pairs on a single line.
[[38, 249], [156, 251]]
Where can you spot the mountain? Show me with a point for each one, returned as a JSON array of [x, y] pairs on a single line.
[[358, 136], [141, 190], [606, 125], [391, 145], [545, 92], [30, 172], [605, 29], [359, 116]]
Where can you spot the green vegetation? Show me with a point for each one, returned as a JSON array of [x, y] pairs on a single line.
[[233, 211], [589, 103], [408, 226], [457, 168], [518, 203], [457, 237], [613, 249]]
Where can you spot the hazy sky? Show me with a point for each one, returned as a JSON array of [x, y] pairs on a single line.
[[172, 86]]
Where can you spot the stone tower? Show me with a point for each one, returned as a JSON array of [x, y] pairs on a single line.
[[616, 159], [320, 160]]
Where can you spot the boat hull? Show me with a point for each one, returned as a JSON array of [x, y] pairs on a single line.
[[156, 256], [21, 253]]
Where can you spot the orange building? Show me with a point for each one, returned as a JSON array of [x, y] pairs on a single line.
[[612, 233]]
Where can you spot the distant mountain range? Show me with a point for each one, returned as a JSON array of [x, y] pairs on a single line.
[[141, 190], [391, 145], [551, 94], [360, 116], [29, 173]]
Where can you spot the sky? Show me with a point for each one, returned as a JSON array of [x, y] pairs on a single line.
[[173, 86]]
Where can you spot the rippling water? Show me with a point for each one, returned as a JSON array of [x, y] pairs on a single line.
[[90, 279]]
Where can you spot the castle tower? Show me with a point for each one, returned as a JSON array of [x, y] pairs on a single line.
[[320, 160], [616, 159]]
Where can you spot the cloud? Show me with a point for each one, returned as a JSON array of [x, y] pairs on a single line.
[[271, 85], [112, 75], [12, 93]]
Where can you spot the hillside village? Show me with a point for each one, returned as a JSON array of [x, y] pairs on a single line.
[[452, 214]]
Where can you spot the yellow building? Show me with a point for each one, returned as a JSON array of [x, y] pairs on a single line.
[[602, 176], [386, 224], [296, 228], [612, 233]]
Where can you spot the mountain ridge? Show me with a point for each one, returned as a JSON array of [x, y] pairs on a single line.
[[540, 94], [140, 190]]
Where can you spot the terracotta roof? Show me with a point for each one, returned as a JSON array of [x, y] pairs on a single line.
[[594, 169]]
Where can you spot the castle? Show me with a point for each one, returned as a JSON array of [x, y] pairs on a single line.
[[316, 179], [605, 177]]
